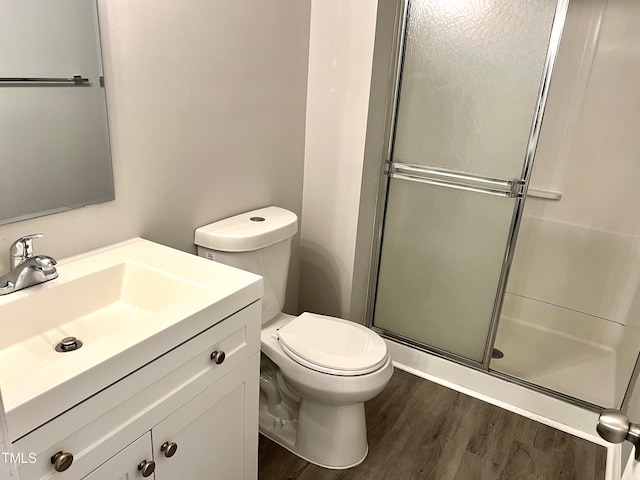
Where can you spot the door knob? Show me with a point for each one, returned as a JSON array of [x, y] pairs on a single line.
[[615, 427], [147, 467]]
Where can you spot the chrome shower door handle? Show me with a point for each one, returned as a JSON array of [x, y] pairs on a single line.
[[615, 427]]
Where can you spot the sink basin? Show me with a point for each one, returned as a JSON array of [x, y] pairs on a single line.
[[128, 303], [95, 305], [90, 308]]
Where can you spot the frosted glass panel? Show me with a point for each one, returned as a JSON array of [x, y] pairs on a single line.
[[471, 74], [442, 253]]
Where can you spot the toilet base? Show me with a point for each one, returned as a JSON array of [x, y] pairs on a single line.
[[311, 460], [334, 435], [329, 436]]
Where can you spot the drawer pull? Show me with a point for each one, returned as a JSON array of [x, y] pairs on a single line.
[[61, 461], [169, 449], [147, 467], [218, 357]]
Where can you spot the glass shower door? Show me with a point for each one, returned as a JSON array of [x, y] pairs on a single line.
[[466, 122]]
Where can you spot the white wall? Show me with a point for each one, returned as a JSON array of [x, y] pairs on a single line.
[[206, 105], [340, 60]]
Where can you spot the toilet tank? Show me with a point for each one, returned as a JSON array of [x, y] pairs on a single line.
[[259, 242]]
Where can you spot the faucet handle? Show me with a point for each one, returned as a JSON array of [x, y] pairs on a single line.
[[22, 249]]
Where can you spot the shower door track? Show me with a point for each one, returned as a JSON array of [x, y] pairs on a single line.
[[516, 189], [411, 343]]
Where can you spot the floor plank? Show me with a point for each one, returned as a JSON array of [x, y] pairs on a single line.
[[420, 430]]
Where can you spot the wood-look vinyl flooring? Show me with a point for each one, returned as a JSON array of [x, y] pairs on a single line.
[[420, 430]]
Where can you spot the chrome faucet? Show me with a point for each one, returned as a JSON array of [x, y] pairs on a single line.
[[26, 269]]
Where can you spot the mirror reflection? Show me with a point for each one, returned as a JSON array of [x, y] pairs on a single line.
[[53, 124]]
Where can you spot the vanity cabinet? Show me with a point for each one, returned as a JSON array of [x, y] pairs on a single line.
[[192, 400]]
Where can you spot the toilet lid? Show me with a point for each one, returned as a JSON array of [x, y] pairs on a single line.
[[332, 345]]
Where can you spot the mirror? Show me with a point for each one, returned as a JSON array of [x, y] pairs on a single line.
[[54, 138]]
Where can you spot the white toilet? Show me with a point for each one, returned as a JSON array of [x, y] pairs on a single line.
[[316, 372]]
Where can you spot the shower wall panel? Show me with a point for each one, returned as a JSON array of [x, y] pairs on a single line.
[[575, 267]]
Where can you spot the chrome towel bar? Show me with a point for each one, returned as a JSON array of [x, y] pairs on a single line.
[[75, 80], [454, 179]]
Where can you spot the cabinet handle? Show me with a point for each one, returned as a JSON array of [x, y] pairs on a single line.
[[218, 357], [169, 449], [61, 461], [147, 467]]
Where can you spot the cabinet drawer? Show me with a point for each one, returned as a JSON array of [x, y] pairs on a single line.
[[96, 429], [124, 465]]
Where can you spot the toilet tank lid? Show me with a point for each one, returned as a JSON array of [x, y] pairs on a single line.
[[248, 231]]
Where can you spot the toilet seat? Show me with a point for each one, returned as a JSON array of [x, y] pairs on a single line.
[[332, 345]]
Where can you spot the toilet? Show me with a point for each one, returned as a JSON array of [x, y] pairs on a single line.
[[316, 371]]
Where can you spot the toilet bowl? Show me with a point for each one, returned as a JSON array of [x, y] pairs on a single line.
[[316, 371], [326, 401]]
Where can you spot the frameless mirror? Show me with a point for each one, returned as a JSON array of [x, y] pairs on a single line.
[[54, 138]]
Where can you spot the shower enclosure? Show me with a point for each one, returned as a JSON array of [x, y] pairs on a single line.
[[472, 82]]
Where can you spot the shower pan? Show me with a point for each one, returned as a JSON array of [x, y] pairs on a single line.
[[471, 86]]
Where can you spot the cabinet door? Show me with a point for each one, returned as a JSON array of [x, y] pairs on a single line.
[[216, 433], [124, 465]]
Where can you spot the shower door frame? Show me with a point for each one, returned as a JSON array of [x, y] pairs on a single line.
[[400, 32]]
